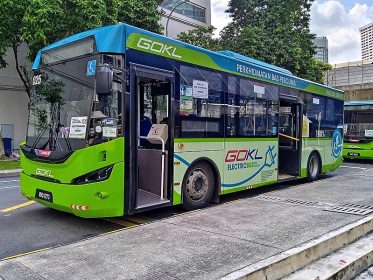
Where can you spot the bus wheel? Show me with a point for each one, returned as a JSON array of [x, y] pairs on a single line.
[[313, 167], [198, 186]]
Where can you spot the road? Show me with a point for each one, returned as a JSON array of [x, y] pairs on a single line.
[[28, 226]]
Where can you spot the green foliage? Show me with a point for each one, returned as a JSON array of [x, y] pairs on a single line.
[[143, 14], [202, 37], [275, 31], [38, 23]]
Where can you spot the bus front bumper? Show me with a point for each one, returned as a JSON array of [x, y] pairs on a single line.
[[357, 153], [93, 200]]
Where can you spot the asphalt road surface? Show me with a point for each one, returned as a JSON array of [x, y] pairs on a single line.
[[26, 226]]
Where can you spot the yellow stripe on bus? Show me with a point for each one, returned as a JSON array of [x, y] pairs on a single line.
[[288, 136]]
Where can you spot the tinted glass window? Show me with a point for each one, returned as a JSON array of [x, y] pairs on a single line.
[[200, 106], [186, 9], [252, 108], [323, 114]]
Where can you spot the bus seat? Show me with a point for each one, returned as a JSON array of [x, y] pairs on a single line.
[[145, 125]]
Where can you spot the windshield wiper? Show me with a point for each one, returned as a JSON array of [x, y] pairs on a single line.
[[54, 129]]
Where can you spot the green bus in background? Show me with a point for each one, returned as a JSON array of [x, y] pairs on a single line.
[[358, 126], [123, 120]]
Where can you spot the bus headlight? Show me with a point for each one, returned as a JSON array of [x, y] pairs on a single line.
[[95, 176]]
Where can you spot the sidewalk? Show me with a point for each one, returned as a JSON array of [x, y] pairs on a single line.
[[210, 243], [10, 173]]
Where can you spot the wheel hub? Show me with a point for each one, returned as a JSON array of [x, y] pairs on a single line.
[[197, 185]]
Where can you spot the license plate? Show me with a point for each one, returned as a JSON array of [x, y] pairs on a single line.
[[44, 195], [353, 154]]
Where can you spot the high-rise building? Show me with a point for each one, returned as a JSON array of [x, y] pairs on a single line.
[[183, 15], [321, 44], [366, 33]]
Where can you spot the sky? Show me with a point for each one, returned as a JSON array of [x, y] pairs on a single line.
[[338, 20]]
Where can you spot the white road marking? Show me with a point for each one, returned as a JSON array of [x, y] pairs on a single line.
[[9, 181], [8, 187], [355, 167]]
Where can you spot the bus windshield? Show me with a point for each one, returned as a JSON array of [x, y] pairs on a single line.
[[61, 100], [359, 122]]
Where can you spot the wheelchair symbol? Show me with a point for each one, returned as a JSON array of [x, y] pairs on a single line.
[[91, 67]]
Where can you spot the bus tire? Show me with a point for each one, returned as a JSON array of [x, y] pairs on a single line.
[[313, 167], [198, 186]]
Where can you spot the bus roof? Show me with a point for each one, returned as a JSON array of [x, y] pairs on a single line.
[[116, 38], [359, 103]]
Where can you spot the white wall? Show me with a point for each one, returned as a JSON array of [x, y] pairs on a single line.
[[13, 98], [13, 110]]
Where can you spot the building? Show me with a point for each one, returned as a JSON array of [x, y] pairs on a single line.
[[13, 101], [183, 15], [366, 33], [321, 44], [355, 78]]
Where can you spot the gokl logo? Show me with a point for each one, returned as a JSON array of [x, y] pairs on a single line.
[[241, 159], [242, 155], [157, 47], [44, 172]]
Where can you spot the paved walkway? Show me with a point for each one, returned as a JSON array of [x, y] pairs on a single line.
[[205, 244], [10, 173]]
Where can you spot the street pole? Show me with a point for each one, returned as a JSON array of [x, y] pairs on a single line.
[[174, 8]]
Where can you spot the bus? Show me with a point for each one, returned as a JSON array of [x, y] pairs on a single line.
[[358, 130], [123, 120]]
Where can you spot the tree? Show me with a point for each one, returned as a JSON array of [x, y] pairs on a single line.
[[275, 31], [2, 152], [38, 23], [202, 37], [143, 14]]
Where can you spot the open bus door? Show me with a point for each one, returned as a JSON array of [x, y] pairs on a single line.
[[290, 137], [150, 140]]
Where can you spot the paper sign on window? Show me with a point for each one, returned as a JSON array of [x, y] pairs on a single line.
[[78, 127], [368, 133], [200, 89], [259, 89]]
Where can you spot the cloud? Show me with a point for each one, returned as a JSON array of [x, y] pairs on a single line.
[[219, 18], [330, 18], [341, 27]]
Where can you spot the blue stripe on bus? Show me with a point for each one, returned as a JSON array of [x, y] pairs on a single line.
[[181, 159]]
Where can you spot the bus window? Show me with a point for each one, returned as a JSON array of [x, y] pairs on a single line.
[[201, 112]]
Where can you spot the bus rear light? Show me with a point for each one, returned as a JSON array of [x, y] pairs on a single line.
[[95, 176], [80, 207]]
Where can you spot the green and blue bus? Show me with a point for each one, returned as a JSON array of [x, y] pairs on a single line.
[[123, 120], [358, 130]]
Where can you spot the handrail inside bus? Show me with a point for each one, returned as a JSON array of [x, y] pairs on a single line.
[[288, 136]]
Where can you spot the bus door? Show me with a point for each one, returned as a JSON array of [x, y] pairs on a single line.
[[290, 146], [148, 153]]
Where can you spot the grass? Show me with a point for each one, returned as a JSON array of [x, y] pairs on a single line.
[[9, 164]]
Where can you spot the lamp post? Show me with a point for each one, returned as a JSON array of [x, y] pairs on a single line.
[[174, 8]]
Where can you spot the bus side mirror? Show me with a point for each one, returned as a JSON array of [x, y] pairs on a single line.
[[104, 80]]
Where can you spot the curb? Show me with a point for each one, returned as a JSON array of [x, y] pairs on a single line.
[[345, 263], [287, 262], [10, 173]]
